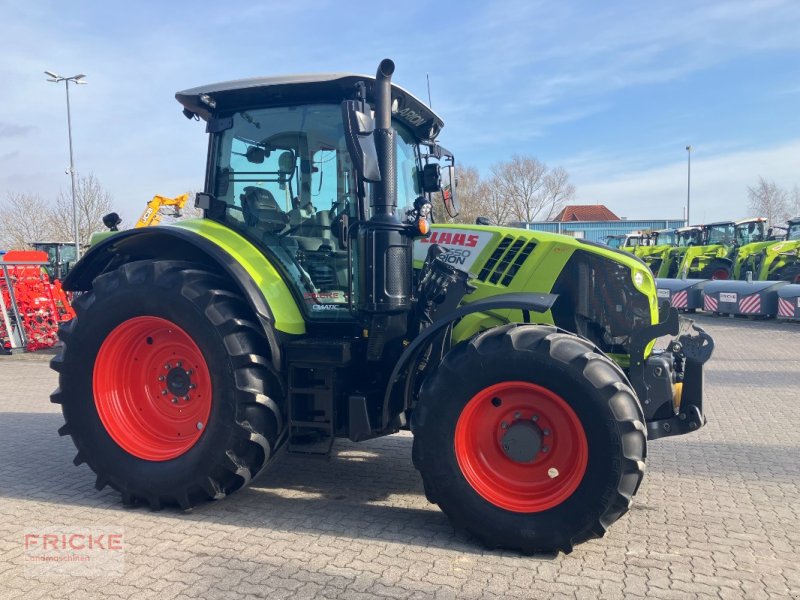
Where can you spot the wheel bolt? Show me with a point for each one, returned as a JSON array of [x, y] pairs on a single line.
[[190, 372], [199, 426], [161, 378], [167, 366], [163, 392], [192, 386], [174, 400], [517, 415], [545, 448], [186, 398], [179, 364], [505, 447], [503, 425], [546, 432], [552, 473], [535, 418]]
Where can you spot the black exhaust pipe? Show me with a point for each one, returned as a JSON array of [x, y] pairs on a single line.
[[384, 201], [385, 276]]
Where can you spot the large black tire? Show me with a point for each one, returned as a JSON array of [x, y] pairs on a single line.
[[717, 269], [790, 273], [593, 387], [245, 424]]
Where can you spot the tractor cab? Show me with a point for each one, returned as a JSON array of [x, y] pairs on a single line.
[[665, 237], [689, 236], [635, 239], [60, 257], [793, 231], [281, 173], [719, 233], [750, 231], [615, 241]]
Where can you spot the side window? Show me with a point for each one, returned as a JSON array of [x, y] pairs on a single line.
[[284, 174]]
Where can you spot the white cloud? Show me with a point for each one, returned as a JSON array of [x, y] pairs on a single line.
[[719, 183]]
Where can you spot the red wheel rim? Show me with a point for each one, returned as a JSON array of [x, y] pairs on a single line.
[[152, 388], [720, 274], [521, 486]]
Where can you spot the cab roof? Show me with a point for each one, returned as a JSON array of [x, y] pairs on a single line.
[[209, 101]]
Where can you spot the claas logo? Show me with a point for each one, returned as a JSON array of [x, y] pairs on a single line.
[[452, 239]]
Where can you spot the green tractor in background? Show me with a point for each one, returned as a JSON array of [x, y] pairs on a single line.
[[314, 301], [656, 253], [728, 251], [779, 261], [686, 238]]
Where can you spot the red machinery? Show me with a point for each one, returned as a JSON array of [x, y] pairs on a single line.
[[32, 306]]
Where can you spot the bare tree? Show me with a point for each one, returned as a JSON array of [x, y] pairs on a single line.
[[531, 190], [93, 201], [557, 191], [766, 199], [494, 204], [468, 193], [793, 204], [24, 218]]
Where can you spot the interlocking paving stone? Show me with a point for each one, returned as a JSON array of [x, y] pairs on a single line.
[[718, 515]]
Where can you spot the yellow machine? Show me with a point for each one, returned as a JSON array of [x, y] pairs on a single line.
[[153, 214]]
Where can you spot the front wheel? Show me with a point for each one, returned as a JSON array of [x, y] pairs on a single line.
[[529, 438], [717, 270]]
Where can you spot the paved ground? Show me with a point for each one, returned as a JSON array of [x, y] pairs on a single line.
[[718, 515]]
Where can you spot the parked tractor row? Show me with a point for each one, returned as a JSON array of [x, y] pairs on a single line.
[[742, 250]]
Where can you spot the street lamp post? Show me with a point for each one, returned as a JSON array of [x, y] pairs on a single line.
[[78, 80], [688, 183]]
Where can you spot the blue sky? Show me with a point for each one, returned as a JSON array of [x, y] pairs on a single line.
[[613, 91]]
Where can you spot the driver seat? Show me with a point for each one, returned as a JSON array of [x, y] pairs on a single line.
[[261, 211]]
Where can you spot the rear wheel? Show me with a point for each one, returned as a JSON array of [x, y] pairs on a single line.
[[540, 448], [165, 385]]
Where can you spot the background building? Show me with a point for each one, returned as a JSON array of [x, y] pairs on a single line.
[[595, 222]]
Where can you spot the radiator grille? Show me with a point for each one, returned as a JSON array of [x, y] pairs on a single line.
[[506, 260]]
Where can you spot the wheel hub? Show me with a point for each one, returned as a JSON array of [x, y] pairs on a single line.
[[179, 381], [522, 441]]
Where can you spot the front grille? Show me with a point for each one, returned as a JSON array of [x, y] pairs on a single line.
[[506, 260]]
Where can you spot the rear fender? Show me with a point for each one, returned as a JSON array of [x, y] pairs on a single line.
[[209, 244]]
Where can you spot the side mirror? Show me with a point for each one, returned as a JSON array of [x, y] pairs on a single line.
[[431, 178], [451, 204], [255, 155], [358, 135]]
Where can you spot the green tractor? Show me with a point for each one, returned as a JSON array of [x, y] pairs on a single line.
[[780, 261], [686, 238], [313, 302], [709, 259], [752, 237], [656, 252]]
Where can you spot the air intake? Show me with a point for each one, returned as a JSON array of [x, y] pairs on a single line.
[[506, 261]]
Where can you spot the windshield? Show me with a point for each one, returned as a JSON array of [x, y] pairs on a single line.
[[794, 232], [632, 242], [614, 241], [666, 238], [748, 233], [688, 238], [720, 234]]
